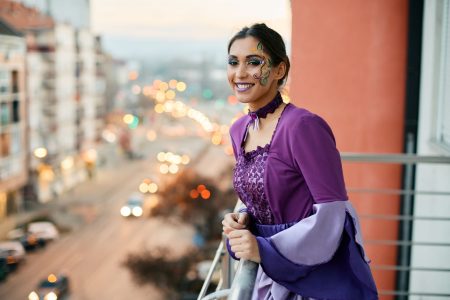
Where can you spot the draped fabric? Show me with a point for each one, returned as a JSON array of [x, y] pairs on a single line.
[[313, 247], [321, 257]]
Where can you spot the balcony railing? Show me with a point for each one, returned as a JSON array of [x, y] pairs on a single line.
[[237, 278]]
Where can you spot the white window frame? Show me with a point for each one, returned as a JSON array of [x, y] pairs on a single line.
[[442, 126]]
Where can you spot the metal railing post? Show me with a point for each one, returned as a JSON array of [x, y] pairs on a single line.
[[406, 225], [244, 282], [227, 269]]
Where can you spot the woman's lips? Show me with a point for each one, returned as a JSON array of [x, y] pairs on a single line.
[[243, 86]]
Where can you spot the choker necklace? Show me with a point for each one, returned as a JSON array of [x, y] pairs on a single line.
[[262, 112]]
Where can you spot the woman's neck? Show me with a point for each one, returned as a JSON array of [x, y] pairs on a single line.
[[269, 97]]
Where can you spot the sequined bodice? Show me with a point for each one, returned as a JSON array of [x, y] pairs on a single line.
[[249, 184]]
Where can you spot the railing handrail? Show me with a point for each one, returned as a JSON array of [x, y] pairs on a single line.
[[395, 158]]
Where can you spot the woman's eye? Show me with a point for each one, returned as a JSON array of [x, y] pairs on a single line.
[[232, 62], [255, 62]]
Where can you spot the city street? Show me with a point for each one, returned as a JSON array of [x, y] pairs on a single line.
[[93, 253]]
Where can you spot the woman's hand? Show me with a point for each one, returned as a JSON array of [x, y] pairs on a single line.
[[244, 245], [234, 221]]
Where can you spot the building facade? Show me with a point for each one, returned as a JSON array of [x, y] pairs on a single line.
[[348, 63], [13, 121], [379, 73], [74, 12]]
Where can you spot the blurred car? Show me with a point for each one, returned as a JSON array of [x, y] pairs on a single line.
[[52, 288], [14, 249], [44, 230], [10, 260], [133, 206], [28, 240], [4, 269]]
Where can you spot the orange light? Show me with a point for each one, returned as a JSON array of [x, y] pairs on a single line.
[[156, 83], [229, 150], [232, 100], [51, 278], [216, 138], [147, 90], [163, 86], [173, 84], [201, 187], [206, 194], [194, 194], [170, 95], [133, 75]]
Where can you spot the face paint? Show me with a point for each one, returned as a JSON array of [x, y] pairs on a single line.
[[266, 66]]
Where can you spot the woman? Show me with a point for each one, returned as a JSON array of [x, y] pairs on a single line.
[[298, 223]]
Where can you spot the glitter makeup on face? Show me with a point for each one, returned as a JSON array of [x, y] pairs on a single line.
[[266, 67]]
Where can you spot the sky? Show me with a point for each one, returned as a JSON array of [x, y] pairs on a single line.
[[155, 29]]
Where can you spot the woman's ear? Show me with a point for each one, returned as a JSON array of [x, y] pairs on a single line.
[[280, 70]]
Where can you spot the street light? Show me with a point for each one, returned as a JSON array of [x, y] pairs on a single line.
[[40, 152]]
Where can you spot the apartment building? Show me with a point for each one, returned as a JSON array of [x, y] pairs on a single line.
[[13, 123]]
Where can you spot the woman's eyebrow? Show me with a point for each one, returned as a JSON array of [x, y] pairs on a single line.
[[248, 56], [254, 56]]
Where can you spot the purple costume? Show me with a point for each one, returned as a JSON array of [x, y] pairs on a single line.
[[307, 231]]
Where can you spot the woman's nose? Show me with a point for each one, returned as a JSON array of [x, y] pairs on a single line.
[[241, 71]]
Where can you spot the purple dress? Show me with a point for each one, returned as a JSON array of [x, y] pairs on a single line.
[[307, 231]]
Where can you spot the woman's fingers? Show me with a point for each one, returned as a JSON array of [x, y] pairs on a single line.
[[243, 218], [231, 221], [244, 245]]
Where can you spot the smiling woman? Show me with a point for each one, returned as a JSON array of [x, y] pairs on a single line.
[[297, 222]]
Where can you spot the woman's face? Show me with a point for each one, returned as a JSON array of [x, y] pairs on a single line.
[[251, 74]]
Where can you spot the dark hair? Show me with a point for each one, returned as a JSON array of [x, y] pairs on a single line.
[[272, 43]]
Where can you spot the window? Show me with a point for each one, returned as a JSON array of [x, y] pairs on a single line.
[[4, 144], [4, 113], [15, 111], [4, 82], [443, 91], [15, 82], [15, 140]]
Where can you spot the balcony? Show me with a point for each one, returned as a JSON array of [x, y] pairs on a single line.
[[237, 279]]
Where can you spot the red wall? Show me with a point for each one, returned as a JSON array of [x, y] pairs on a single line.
[[348, 65]]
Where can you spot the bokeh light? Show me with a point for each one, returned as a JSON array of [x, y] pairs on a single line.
[[40, 152], [152, 188], [173, 168], [143, 188], [136, 89], [164, 168], [163, 86], [181, 86], [205, 194], [159, 108], [173, 83]]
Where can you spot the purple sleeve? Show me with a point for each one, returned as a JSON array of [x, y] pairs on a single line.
[[234, 147], [230, 251], [316, 157], [311, 242], [276, 265]]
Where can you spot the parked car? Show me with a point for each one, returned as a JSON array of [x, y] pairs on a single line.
[[52, 288], [133, 206], [10, 260], [4, 269], [44, 230], [28, 240], [15, 249]]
